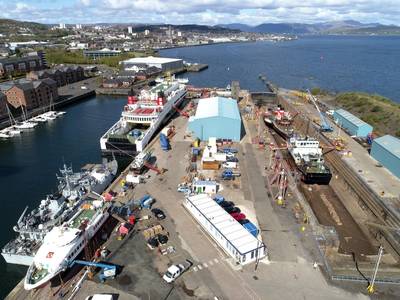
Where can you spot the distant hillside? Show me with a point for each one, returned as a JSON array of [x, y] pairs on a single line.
[[382, 113], [337, 27], [189, 27], [13, 26]]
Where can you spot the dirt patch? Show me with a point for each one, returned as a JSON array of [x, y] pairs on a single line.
[[124, 280], [330, 211], [187, 291]]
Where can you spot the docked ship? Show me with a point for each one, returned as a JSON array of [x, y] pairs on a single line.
[[281, 121], [72, 189], [65, 242], [142, 117], [308, 157]]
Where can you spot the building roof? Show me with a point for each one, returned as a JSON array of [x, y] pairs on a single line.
[[390, 143], [351, 118], [18, 59], [225, 224], [217, 107], [150, 60], [205, 182]]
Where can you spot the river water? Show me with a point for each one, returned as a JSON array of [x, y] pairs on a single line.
[[28, 164], [335, 63]]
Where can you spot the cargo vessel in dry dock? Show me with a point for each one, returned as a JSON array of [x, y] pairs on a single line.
[[142, 117], [281, 121], [308, 157], [72, 189]]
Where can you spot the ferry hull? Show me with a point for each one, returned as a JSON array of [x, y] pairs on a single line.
[[285, 134], [316, 178]]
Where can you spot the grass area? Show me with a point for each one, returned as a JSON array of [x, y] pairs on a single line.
[[62, 56], [382, 113]]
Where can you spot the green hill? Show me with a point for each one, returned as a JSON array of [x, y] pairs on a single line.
[[382, 113]]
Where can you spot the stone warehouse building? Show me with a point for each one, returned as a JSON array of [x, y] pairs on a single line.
[[62, 76], [30, 94]]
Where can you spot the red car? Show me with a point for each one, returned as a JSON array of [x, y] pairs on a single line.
[[238, 216]]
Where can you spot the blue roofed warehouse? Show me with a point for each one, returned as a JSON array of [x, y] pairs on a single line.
[[216, 117], [386, 150], [351, 123]]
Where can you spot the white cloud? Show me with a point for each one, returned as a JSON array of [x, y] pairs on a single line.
[[209, 12]]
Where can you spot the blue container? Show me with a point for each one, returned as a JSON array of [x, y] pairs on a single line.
[[251, 228], [164, 142]]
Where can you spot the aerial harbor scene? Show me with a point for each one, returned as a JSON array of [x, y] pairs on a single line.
[[199, 150]]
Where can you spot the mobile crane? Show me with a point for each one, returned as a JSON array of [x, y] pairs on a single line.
[[324, 123]]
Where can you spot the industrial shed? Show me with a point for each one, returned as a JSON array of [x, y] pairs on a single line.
[[386, 150], [232, 237], [216, 117], [163, 63], [351, 123]]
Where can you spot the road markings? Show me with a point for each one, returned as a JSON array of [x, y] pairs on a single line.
[[205, 265], [200, 267], [211, 262], [216, 260], [195, 269]]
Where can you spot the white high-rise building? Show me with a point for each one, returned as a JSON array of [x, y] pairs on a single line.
[[130, 30], [62, 26], [179, 33], [78, 26], [146, 32]]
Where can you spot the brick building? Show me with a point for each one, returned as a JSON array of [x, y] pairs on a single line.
[[30, 94], [61, 76]]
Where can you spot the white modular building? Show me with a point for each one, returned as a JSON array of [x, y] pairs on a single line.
[[229, 234], [163, 63]]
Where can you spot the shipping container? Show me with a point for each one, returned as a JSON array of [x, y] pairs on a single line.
[[352, 124], [210, 165]]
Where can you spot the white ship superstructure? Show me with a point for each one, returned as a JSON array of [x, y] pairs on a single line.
[[64, 243], [142, 117], [73, 188]]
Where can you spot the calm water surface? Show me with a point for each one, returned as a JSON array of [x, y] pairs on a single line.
[[369, 64]]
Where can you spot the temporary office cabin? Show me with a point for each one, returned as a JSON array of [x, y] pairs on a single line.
[[232, 237]]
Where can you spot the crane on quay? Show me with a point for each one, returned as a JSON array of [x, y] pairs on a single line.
[[324, 123]]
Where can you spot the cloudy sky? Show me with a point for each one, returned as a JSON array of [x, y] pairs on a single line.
[[209, 12]]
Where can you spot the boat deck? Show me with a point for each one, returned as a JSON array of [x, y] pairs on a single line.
[[85, 214]]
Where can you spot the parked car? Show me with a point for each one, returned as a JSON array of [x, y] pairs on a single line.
[[244, 221], [238, 216], [183, 189], [218, 198], [230, 154], [232, 159], [232, 209], [158, 213], [230, 150], [226, 203]]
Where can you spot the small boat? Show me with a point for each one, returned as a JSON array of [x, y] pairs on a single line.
[[25, 125], [13, 131], [39, 119], [4, 134]]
